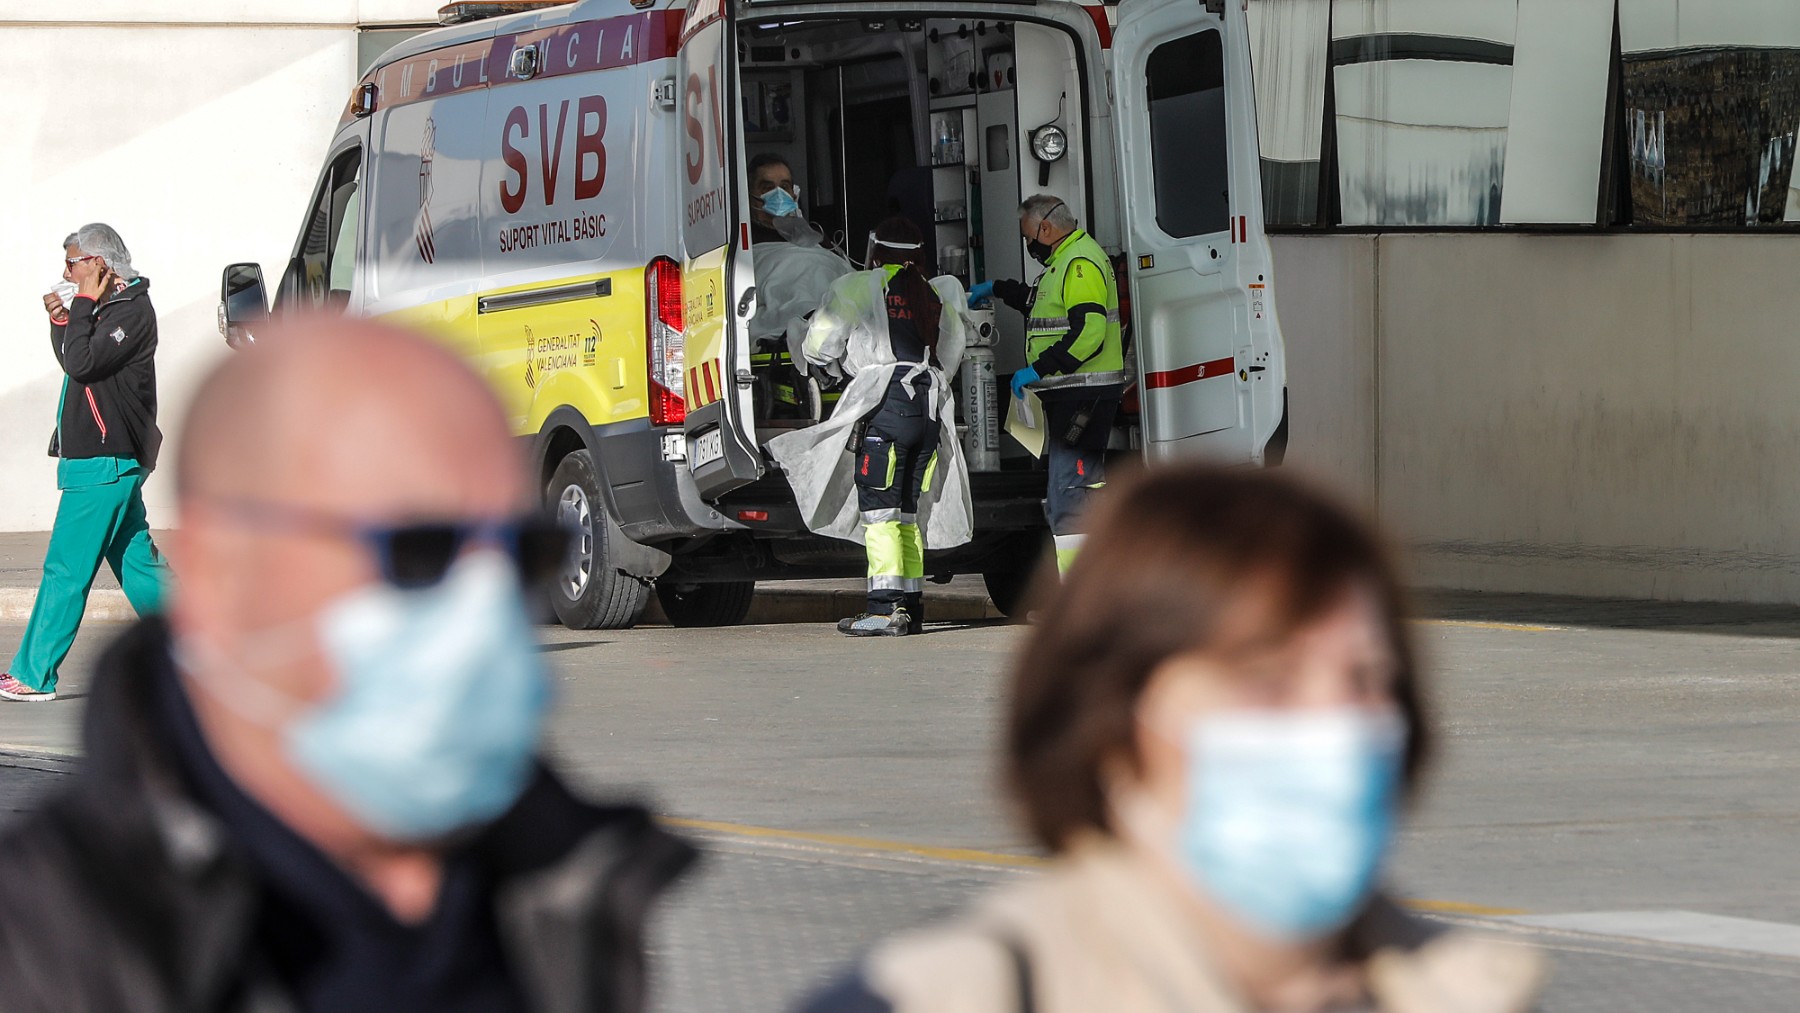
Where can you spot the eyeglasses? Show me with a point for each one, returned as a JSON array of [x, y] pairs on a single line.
[[72, 261], [417, 555]]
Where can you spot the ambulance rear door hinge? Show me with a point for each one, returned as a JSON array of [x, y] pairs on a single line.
[[664, 93]]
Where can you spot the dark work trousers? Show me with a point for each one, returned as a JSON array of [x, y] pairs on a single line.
[[1076, 468], [894, 466]]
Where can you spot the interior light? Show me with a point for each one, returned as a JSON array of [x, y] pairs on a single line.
[[1048, 145]]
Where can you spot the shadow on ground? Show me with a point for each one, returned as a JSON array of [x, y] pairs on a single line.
[[1564, 610]]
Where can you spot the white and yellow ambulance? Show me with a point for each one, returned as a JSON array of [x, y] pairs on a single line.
[[560, 192]]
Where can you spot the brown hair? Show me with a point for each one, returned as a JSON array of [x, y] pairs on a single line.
[[910, 284], [1167, 555]]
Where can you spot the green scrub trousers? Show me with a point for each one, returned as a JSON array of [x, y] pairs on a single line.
[[99, 518]]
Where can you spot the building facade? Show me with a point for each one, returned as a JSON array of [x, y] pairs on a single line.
[[195, 128]]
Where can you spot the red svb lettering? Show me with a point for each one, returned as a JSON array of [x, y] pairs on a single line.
[[589, 151]]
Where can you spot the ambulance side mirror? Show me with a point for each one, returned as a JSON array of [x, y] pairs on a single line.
[[243, 304]]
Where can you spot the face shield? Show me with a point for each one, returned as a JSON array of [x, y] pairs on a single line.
[[869, 255]]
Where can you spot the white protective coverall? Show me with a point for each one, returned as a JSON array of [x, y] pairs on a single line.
[[850, 332], [792, 279]]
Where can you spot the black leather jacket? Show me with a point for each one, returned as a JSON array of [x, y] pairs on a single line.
[[124, 893]]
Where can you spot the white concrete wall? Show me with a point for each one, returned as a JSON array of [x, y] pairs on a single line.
[[1325, 295], [1605, 415], [193, 128]]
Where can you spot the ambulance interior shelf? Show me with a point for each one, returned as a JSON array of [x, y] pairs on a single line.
[[911, 116]]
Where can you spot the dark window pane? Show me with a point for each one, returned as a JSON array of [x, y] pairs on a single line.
[[1187, 135], [1711, 134]]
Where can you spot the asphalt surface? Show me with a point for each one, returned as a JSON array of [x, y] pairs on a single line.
[[1614, 781]]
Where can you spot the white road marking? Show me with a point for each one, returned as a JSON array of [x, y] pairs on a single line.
[[1685, 928]]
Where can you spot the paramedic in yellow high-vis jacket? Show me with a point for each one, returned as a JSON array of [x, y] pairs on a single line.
[[1074, 354]]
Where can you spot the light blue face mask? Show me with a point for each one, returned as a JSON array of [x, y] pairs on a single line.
[[780, 204], [439, 705], [1289, 814]]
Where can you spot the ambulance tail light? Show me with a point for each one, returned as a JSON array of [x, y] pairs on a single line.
[[663, 329]]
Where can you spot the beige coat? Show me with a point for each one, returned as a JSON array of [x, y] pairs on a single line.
[[1103, 934]]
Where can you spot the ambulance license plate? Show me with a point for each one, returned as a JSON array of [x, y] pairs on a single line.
[[708, 447]]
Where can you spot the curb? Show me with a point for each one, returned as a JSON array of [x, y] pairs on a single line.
[[104, 605], [773, 606]]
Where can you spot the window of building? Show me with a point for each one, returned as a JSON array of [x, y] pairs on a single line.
[[1707, 114], [1485, 113]]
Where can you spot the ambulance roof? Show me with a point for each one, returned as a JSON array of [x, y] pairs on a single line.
[[582, 10], [487, 28]]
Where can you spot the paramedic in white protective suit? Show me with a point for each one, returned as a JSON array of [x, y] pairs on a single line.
[[793, 271], [900, 339]]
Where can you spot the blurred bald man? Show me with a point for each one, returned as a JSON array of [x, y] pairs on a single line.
[[315, 785]]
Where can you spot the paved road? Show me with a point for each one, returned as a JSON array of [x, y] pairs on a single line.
[[1598, 763]]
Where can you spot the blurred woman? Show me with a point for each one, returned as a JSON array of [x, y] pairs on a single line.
[[900, 338], [1212, 729]]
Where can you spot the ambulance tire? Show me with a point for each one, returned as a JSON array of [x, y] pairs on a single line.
[[590, 593], [1007, 590], [691, 605], [1010, 575]]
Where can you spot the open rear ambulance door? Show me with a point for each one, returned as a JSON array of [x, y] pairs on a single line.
[[717, 283], [1208, 347]]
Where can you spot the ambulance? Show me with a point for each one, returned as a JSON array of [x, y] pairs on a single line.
[[560, 192]]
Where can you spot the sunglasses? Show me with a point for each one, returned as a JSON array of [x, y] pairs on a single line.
[[417, 555], [72, 261]]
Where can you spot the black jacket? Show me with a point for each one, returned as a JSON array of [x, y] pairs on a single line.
[[108, 350], [125, 893]]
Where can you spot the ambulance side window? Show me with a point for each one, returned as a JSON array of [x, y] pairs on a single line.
[[322, 275], [1186, 90]]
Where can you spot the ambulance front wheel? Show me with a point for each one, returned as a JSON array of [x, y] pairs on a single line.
[[690, 605], [590, 592]]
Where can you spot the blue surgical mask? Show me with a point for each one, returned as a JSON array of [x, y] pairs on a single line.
[[1289, 814], [778, 203], [440, 701]]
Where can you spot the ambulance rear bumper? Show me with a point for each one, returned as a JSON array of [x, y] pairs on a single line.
[[653, 498]]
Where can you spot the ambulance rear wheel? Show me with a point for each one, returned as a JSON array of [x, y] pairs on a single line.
[[1009, 574], [590, 592], [689, 605], [1007, 590]]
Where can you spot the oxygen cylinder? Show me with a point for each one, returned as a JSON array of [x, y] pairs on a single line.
[[978, 393]]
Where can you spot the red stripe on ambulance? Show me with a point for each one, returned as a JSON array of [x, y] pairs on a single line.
[[1188, 374]]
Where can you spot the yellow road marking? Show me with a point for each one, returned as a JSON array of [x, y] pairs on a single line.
[[964, 856], [974, 856], [1469, 624], [1457, 907]]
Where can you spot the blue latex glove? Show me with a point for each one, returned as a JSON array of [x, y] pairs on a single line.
[[1022, 379], [980, 293]]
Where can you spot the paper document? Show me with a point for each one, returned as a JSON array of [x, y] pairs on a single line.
[[1025, 423]]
